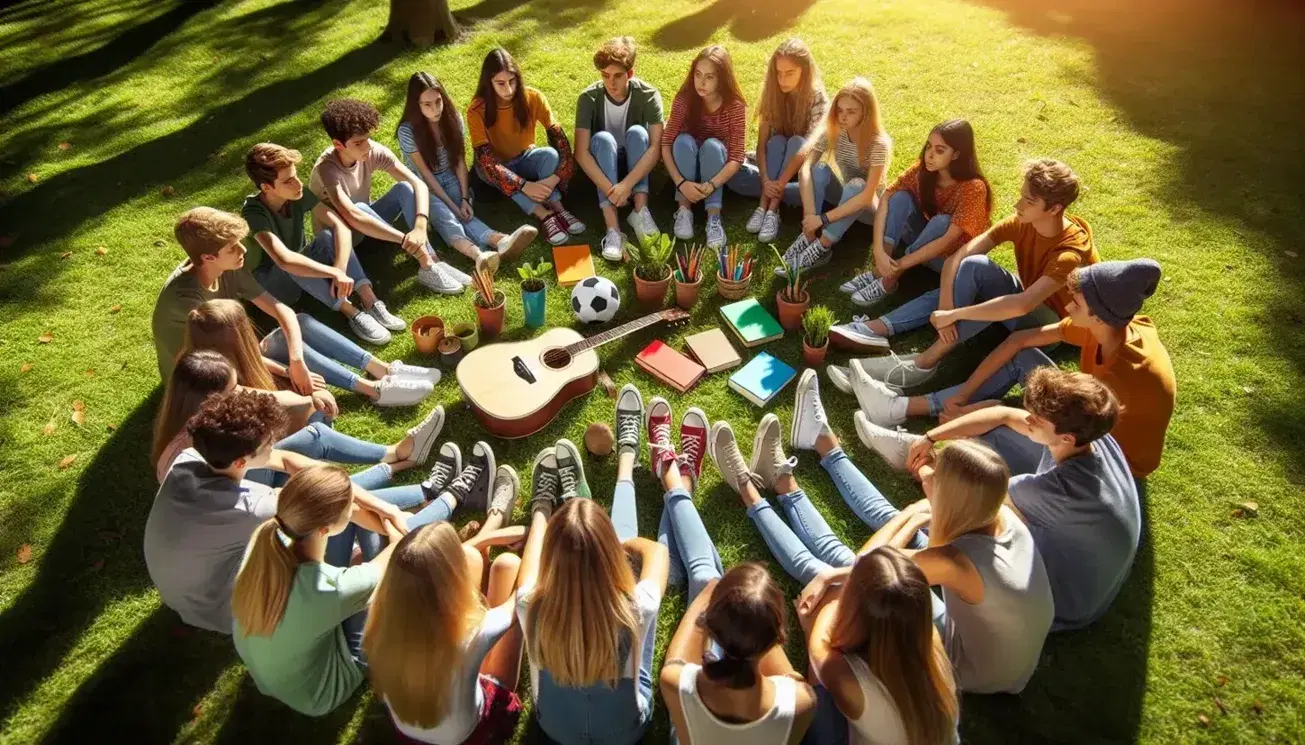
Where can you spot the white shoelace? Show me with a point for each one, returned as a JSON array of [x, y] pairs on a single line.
[[546, 485], [692, 450], [467, 479], [659, 440], [627, 429], [810, 254], [438, 475]]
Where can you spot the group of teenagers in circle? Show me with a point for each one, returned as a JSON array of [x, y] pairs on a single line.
[[1030, 520]]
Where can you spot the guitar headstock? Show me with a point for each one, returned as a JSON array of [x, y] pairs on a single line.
[[674, 315]]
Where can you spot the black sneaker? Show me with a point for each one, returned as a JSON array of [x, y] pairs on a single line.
[[447, 465], [545, 486], [472, 486], [571, 470]]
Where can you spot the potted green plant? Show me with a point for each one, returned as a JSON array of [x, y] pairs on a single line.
[[533, 291], [816, 323], [688, 275], [489, 302], [792, 299], [652, 268]]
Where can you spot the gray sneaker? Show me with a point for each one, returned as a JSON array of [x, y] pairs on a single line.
[[365, 327], [506, 488], [723, 447], [769, 227], [871, 293], [423, 435], [447, 465], [790, 254], [472, 485], [436, 278], [385, 318], [754, 220], [768, 459], [684, 224], [898, 373], [571, 470], [715, 232], [629, 418], [893, 445], [813, 255], [857, 283], [545, 486]]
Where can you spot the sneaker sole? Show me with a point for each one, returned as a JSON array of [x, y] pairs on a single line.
[[582, 485], [421, 455], [511, 474], [758, 441], [802, 391], [643, 412], [855, 341], [491, 467], [514, 249]]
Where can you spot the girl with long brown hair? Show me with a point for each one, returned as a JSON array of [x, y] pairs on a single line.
[[703, 143], [224, 327], [443, 656], [433, 143], [791, 111], [884, 675]]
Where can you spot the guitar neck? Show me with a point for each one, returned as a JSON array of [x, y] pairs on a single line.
[[613, 334]]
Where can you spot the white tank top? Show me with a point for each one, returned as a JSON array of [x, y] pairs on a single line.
[[705, 728], [880, 723]]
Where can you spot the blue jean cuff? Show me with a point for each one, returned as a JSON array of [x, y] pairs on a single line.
[[758, 507], [832, 456], [794, 496], [677, 493], [888, 325]]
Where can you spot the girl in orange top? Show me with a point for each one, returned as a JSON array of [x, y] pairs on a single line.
[[934, 207]]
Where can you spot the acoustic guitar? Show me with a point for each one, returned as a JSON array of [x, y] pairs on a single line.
[[516, 388]]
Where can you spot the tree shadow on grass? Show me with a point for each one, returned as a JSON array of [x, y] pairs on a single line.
[[748, 21]]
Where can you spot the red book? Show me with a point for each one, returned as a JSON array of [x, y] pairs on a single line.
[[669, 366]]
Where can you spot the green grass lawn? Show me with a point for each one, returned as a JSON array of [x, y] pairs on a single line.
[[116, 115]]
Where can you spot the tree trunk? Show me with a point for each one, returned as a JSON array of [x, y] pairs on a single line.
[[421, 23]]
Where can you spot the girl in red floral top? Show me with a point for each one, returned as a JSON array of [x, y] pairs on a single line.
[[702, 145], [936, 206]]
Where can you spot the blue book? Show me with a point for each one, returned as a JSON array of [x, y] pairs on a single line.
[[762, 378]]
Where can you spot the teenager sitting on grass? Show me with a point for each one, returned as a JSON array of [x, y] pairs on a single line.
[[703, 144], [1118, 347], [975, 291], [860, 150], [1073, 487], [215, 269], [206, 508], [223, 326], [883, 673], [342, 180], [431, 138], [617, 120], [326, 266], [790, 113], [938, 204], [996, 603], [502, 119]]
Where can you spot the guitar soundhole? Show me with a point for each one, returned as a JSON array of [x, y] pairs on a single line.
[[557, 359]]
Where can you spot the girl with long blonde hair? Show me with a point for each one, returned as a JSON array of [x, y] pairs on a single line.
[[298, 605], [791, 110], [442, 656], [223, 326], [851, 154]]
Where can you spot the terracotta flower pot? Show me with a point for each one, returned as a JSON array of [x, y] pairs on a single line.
[[427, 332], [650, 294], [686, 293], [790, 314], [814, 356], [490, 319]]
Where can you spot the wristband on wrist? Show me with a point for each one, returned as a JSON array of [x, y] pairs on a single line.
[[824, 219], [679, 184], [929, 437]]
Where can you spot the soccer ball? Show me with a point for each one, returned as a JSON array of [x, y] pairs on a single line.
[[595, 300]]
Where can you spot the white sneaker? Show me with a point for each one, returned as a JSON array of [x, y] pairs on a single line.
[[684, 224], [385, 318], [857, 283], [754, 220], [809, 421], [769, 227], [643, 225], [857, 333], [455, 273], [396, 391], [423, 435], [715, 232], [881, 404], [841, 377], [510, 246], [873, 292], [613, 245], [368, 329], [893, 445], [401, 369], [435, 278]]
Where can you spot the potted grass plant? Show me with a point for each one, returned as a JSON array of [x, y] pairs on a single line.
[[688, 275], [534, 291], [816, 323], [489, 301], [792, 300], [652, 268]]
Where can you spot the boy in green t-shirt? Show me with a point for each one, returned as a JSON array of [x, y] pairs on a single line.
[[326, 267]]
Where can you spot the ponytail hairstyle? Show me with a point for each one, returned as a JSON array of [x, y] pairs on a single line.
[[424, 609], [498, 60], [858, 89], [885, 617], [315, 499], [744, 619], [223, 327], [959, 135], [790, 113], [196, 376], [583, 609], [727, 85], [449, 131], [969, 487]]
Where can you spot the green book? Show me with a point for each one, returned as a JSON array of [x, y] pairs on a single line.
[[750, 322]]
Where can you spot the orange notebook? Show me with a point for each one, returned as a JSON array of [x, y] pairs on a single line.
[[669, 366], [573, 263]]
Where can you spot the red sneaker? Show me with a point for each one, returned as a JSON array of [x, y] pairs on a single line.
[[693, 444], [661, 453]]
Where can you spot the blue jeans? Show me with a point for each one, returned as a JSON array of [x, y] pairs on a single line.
[[806, 548], [861, 496], [692, 552], [625, 513], [699, 163], [450, 227], [535, 164], [779, 151], [1015, 371], [319, 442], [286, 287], [834, 231], [399, 200], [978, 278], [326, 352], [607, 151], [905, 224]]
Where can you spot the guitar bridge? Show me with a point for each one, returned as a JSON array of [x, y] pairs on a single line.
[[523, 372]]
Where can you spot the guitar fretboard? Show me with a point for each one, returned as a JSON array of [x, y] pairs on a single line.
[[612, 334]]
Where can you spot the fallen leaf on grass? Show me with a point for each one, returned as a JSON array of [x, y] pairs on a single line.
[[160, 243], [78, 406], [32, 178], [24, 553], [1204, 720], [67, 461], [101, 251], [1247, 509], [198, 711], [115, 308], [65, 254], [89, 372], [1222, 709], [1257, 707], [79, 417], [49, 428], [1221, 680], [168, 191], [111, 427], [1021, 140], [45, 338], [27, 367], [65, 146]]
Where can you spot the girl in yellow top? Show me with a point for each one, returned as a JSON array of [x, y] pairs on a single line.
[[503, 139]]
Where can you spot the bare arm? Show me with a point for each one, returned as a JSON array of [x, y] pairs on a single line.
[[533, 550], [1007, 307], [763, 136], [359, 220], [981, 422], [931, 250], [828, 664], [501, 537], [655, 560], [899, 530], [1005, 352], [292, 262], [432, 183], [294, 340], [340, 230]]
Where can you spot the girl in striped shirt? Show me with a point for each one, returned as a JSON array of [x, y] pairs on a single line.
[[703, 142]]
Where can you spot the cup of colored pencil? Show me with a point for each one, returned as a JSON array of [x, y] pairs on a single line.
[[688, 274], [734, 265]]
